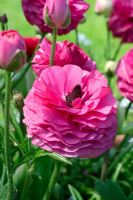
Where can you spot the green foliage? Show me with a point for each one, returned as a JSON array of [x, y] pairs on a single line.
[[120, 118], [130, 196], [75, 194], [110, 191]]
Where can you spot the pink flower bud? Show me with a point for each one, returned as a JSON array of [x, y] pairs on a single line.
[[103, 7], [110, 68], [57, 14], [12, 50]]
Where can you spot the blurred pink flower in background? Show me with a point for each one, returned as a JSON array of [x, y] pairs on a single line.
[[125, 75], [103, 7], [121, 20], [31, 44], [33, 10], [12, 50], [56, 13], [66, 53], [71, 111]]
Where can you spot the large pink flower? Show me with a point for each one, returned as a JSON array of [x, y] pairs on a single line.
[[71, 111], [33, 10], [66, 53], [125, 75], [121, 20]]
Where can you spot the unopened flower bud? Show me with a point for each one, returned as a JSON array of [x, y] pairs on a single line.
[[103, 7], [18, 99], [110, 68], [118, 140], [12, 50], [57, 14], [3, 18]]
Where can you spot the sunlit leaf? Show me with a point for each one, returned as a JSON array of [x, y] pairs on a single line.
[[75, 194]]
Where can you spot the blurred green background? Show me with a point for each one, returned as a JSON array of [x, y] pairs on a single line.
[[94, 30]]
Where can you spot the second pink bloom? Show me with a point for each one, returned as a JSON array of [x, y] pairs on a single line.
[[33, 10], [66, 53]]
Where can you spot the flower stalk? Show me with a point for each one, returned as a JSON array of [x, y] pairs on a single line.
[[117, 51], [53, 180], [54, 38], [108, 48], [104, 166], [76, 36], [7, 149]]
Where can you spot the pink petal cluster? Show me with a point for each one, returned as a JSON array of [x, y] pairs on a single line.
[[66, 53], [33, 10], [125, 75], [71, 111], [121, 20], [12, 45]]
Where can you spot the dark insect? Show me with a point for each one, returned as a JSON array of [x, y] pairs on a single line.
[[76, 93]]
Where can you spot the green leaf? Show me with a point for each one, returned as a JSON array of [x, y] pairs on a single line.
[[23, 178], [28, 157], [110, 191], [130, 196], [59, 158], [41, 177], [120, 157], [128, 128], [19, 176], [75, 194], [102, 189], [37, 154], [3, 192]]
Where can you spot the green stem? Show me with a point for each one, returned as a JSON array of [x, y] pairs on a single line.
[[53, 180], [120, 156], [104, 166], [54, 37], [76, 36], [27, 182], [19, 137], [7, 149], [117, 51], [108, 43], [127, 109]]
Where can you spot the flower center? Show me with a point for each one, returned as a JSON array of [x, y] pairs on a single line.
[[76, 93]]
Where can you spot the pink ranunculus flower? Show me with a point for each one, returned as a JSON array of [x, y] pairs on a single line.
[[125, 75], [121, 20], [12, 50], [71, 111], [66, 53], [33, 10], [57, 14]]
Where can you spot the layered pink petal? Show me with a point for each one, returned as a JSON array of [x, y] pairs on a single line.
[[121, 20], [66, 53], [125, 75], [83, 128]]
